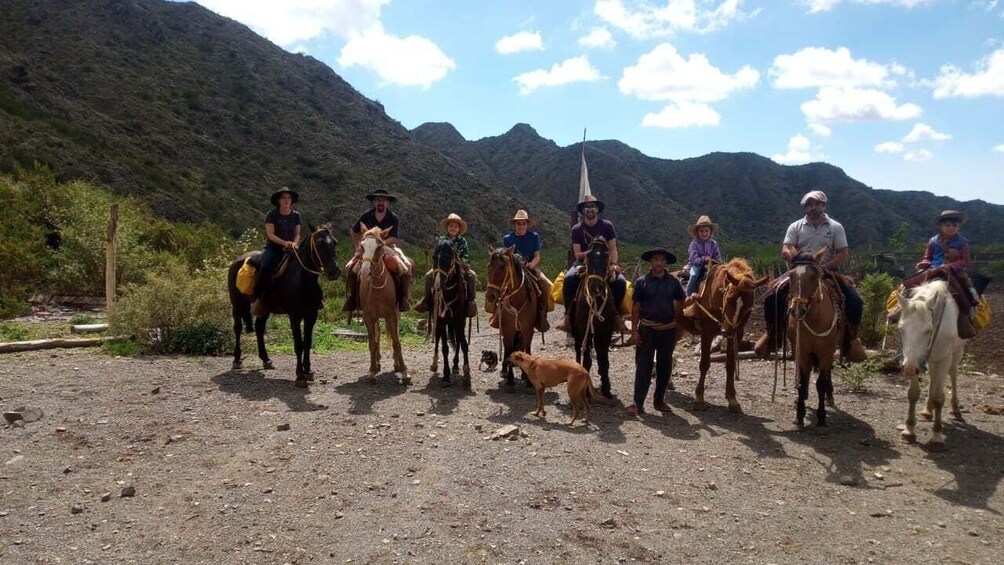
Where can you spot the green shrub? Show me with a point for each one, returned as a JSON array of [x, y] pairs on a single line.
[[854, 374], [81, 319], [874, 290], [13, 332]]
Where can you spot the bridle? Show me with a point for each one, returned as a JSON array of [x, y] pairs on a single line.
[[314, 255], [505, 292], [815, 298], [596, 304], [377, 262]]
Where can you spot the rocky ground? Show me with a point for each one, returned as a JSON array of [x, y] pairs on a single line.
[[174, 460]]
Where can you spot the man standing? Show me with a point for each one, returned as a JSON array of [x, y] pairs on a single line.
[[527, 244], [379, 215], [591, 227], [816, 231], [653, 329]]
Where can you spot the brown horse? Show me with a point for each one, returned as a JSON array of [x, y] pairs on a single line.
[[514, 304], [378, 298], [816, 327], [724, 308]]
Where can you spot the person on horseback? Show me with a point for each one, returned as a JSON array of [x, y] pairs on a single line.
[[527, 244], [591, 227], [816, 232], [379, 215], [653, 331], [455, 228], [282, 234], [701, 248]]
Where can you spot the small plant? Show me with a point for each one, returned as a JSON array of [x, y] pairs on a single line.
[[81, 319], [12, 332], [124, 347], [854, 374]]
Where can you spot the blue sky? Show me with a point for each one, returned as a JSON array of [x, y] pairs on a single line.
[[901, 94]]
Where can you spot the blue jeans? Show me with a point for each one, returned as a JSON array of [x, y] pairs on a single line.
[[696, 272], [267, 262], [618, 286]]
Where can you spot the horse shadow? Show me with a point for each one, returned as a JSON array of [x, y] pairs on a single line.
[[444, 398], [973, 458], [364, 392], [751, 430], [254, 386]]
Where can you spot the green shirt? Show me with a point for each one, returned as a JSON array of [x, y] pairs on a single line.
[[460, 247]]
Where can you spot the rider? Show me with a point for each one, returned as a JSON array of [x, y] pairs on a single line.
[[815, 232], [591, 227], [455, 227], [528, 246], [702, 247], [282, 233], [380, 216]]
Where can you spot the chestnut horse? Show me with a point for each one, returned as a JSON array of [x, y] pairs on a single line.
[[513, 302], [724, 308], [295, 292], [378, 299]]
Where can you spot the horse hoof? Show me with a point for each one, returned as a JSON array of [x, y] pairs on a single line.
[[800, 425], [735, 409], [927, 416], [236, 366], [467, 383], [822, 430], [405, 380], [310, 375], [908, 437], [434, 369], [935, 446], [957, 416], [267, 364], [300, 383], [445, 383], [701, 406], [830, 403]]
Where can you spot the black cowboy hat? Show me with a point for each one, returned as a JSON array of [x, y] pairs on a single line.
[[380, 192], [590, 199], [275, 195], [647, 256]]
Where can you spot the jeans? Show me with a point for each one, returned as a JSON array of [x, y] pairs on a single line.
[[618, 286], [696, 272], [267, 262], [656, 346]]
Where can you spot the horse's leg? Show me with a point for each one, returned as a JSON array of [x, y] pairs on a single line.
[[237, 339], [936, 394], [395, 339], [602, 343], [912, 394], [465, 347], [953, 372], [822, 387], [526, 345], [804, 375], [309, 320], [508, 345], [295, 328], [699, 404], [373, 331], [730, 376], [259, 334], [435, 345], [445, 349], [458, 333]]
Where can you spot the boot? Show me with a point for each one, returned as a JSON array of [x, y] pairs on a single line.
[[855, 350], [766, 344], [965, 326], [690, 308], [351, 290], [542, 324], [404, 291], [426, 302], [564, 325], [472, 309]]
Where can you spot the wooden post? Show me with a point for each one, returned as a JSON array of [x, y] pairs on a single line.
[[113, 224]]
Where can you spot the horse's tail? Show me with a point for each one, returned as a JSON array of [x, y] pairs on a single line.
[[594, 394]]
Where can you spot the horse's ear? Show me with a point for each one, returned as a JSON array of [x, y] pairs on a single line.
[[363, 228], [902, 299], [761, 281], [385, 233], [818, 255], [490, 249], [509, 250]]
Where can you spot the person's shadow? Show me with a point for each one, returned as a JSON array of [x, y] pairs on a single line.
[[750, 429], [364, 392], [444, 398], [253, 385]]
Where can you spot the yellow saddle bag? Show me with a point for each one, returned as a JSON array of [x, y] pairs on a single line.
[[983, 314], [246, 277]]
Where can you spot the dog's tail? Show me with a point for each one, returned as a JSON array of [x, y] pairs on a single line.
[[594, 394]]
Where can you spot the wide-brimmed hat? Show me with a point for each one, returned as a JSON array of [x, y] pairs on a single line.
[[818, 195], [521, 215], [275, 195], [380, 192], [647, 256], [590, 199], [702, 221], [459, 220], [950, 215]]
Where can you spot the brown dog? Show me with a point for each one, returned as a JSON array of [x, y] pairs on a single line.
[[547, 373]]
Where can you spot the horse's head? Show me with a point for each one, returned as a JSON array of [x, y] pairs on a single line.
[[322, 251], [500, 271], [917, 324], [443, 256], [805, 288], [597, 263], [373, 247], [737, 301]]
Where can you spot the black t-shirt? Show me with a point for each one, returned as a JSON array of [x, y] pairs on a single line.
[[285, 226], [370, 219], [656, 296]]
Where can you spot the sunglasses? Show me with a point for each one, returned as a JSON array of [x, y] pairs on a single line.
[[812, 203], [950, 222], [590, 207]]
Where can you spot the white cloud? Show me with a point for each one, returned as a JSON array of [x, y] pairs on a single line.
[[799, 152], [999, 148], [924, 132], [576, 69], [820, 130], [682, 115], [520, 41], [409, 61], [890, 147], [988, 80], [662, 74], [599, 37], [853, 104], [642, 20], [826, 5], [292, 21], [918, 155], [817, 67]]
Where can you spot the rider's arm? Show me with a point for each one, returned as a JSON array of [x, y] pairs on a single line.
[[355, 235], [270, 234], [788, 251], [535, 261], [612, 247], [296, 237], [577, 250], [925, 263], [838, 259]]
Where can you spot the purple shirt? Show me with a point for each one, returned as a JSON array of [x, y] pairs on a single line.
[[583, 234], [699, 249]]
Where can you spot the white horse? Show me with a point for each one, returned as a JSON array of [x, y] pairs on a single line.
[[929, 331]]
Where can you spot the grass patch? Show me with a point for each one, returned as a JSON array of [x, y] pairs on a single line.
[[124, 347], [16, 331]]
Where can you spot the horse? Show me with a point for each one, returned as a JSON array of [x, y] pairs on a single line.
[[815, 328], [930, 336], [294, 292], [593, 313], [515, 305], [378, 299], [724, 306], [448, 312]]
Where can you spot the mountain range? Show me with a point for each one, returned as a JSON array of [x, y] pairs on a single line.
[[203, 119]]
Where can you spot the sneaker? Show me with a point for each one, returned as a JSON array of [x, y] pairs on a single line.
[[633, 410]]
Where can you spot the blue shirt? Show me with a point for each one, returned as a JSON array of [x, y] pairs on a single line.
[[526, 245], [656, 296]]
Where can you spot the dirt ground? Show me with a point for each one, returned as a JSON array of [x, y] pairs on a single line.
[[380, 473]]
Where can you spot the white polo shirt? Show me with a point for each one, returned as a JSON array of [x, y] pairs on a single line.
[[810, 238]]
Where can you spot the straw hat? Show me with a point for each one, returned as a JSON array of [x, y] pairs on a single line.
[[702, 221], [647, 256], [275, 195], [591, 199], [818, 195], [459, 220], [380, 192], [521, 215], [950, 215]]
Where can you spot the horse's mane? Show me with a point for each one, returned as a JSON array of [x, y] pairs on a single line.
[[929, 292], [738, 266]]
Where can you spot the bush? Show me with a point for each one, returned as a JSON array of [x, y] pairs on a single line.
[[854, 375], [177, 311], [874, 290]]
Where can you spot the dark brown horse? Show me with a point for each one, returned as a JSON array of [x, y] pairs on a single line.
[[592, 314], [724, 308], [514, 303], [295, 292], [449, 311]]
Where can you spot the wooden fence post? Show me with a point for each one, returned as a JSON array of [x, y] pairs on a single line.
[[113, 224]]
